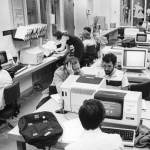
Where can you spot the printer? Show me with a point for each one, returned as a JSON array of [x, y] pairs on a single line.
[[123, 112], [75, 89]]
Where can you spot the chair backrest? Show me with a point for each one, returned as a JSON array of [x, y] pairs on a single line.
[[121, 31], [12, 93], [52, 89], [142, 87], [90, 50]]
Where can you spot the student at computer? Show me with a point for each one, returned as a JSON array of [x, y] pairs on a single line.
[[91, 115], [115, 79], [139, 26], [69, 40], [71, 66], [5, 80]]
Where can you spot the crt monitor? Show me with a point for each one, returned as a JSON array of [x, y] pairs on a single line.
[[5, 62], [130, 32], [141, 38], [134, 58]]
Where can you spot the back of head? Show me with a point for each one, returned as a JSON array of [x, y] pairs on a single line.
[[86, 35], [140, 23], [87, 29], [71, 59], [58, 34], [110, 57], [91, 114]]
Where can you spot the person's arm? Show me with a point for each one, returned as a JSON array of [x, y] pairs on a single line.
[[63, 44]]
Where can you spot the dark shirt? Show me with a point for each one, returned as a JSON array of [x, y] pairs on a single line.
[[78, 45], [141, 29]]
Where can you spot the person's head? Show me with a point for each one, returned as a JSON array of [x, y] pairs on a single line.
[[91, 114], [75, 64], [85, 35], [88, 29], [140, 23], [58, 35], [109, 62]]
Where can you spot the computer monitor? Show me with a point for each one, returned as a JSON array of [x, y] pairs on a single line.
[[145, 24], [5, 62], [141, 38], [134, 58], [130, 32]]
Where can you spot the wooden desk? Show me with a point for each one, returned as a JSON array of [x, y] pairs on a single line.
[[51, 105]]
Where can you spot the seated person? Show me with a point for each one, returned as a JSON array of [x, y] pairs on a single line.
[[111, 73], [88, 29], [68, 39], [87, 40], [5, 80], [71, 66], [91, 115], [139, 26]]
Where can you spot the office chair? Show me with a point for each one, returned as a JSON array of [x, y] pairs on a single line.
[[121, 33], [11, 95], [52, 90], [89, 56], [143, 87]]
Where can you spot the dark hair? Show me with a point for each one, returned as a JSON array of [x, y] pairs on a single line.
[[91, 114], [71, 59], [58, 34], [88, 29], [0, 65], [86, 35], [140, 23], [110, 57]]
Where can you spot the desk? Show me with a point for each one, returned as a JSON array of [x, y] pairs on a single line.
[[51, 105], [132, 77], [34, 73]]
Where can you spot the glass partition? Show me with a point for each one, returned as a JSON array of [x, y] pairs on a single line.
[[125, 12]]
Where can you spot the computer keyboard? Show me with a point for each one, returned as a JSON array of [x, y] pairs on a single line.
[[17, 69], [128, 136]]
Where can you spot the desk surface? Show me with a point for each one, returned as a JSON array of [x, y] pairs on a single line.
[[33, 68], [51, 105], [132, 76]]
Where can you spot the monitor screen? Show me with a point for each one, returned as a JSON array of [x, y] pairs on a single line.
[[3, 57], [114, 110], [141, 38], [134, 58]]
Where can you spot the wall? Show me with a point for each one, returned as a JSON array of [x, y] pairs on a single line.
[[80, 17], [108, 8], [6, 23]]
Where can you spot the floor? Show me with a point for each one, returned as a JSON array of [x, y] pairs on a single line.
[[28, 105]]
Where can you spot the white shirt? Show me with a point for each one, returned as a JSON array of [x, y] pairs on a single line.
[[97, 140], [5, 80], [118, 75]]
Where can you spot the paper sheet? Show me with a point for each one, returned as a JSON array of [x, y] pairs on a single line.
[[73, 130], [56, 97]]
